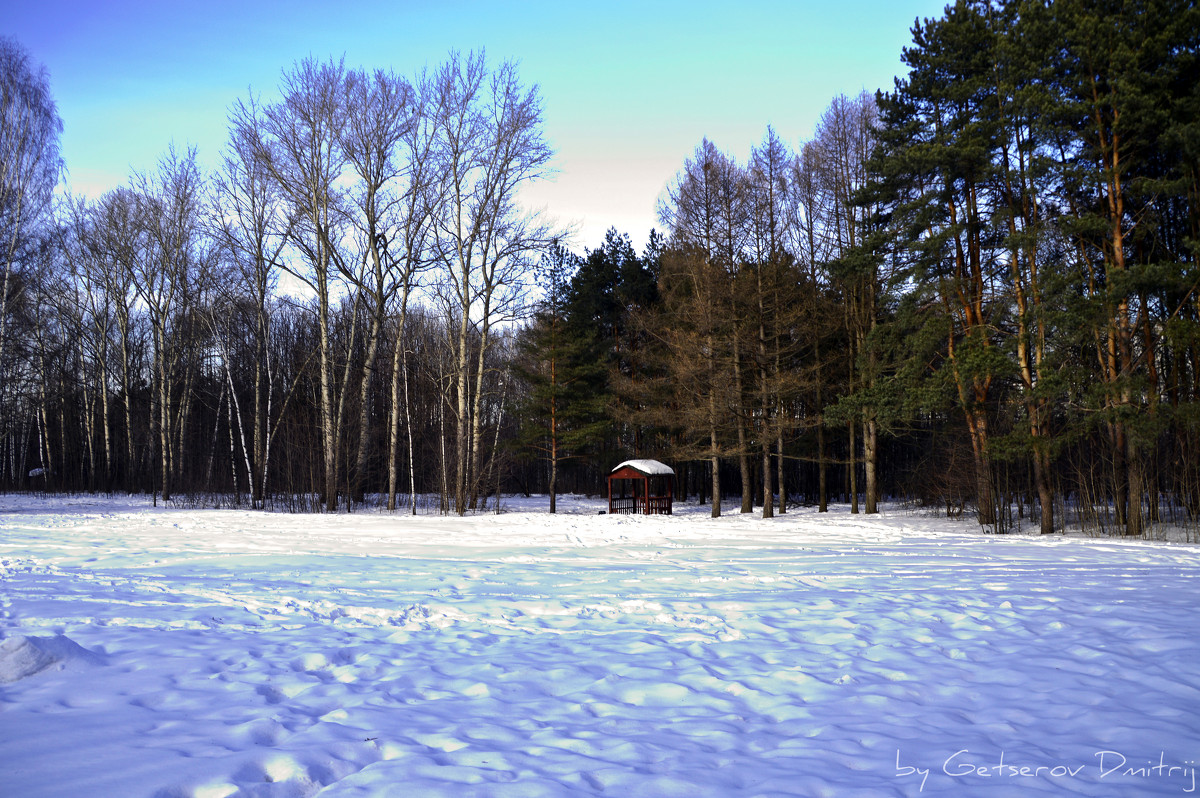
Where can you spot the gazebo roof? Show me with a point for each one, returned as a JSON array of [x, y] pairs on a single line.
[[650, 468]]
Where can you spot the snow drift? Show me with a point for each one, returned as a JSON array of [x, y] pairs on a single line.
[[22, 656]]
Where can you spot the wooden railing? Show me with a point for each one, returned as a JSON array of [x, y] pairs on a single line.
[[658, 505], [655, 505], [623, 504]]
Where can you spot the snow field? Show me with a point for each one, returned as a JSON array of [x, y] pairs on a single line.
[[229, 653]]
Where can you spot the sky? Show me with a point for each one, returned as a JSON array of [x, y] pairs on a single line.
[[629, 89]]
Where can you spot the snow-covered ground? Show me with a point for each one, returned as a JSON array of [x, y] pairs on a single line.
[[175, 653]]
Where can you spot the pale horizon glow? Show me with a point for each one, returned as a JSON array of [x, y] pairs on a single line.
[[628, 91]]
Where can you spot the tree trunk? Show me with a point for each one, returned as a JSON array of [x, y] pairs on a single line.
[[329, 433], [412, 463], [822, 468], [715, 463], [394, 417], [443, 403], [364, 410], [123, 327], [1041, 477], [768, 494], [89, 425], [779, 468], [104, 419], [743, 443], [553, 474], [235, 416], [714, 440], [164, 419], [870, 457], [977, 427], [852, 469], [462, 421], [1135, 520], [475, 455], [216, 436], [493, 469], [261, 409], [229, 408], [553, 440]]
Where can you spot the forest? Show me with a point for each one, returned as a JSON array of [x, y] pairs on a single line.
[[974, 292]]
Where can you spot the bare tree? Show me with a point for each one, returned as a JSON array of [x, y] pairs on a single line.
[[415, 206], [29, 166], [388, 155], [299, 141], [489, 145], [251, 225], [116, 243], [843, 136], [170, 279], [777, 308], [732, 242], [706, 209], [807, 210], [690, 327], [85, 288]]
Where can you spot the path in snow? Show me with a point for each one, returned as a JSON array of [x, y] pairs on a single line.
[[236, 653]]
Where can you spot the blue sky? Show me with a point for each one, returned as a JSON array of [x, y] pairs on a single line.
[[629, 88]]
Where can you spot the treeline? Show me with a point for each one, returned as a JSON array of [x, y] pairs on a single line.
[[323, 317], [1032, 231], [977, 290]]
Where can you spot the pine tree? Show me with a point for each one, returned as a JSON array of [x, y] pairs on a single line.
[[1117, 71], [938, 150], [611, 286], [563, 409]]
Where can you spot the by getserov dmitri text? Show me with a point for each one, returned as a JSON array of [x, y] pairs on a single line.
[[1106, 765]]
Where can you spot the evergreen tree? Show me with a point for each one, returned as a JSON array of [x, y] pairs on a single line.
[[938, 145], [612, 285], [1118, 72], [563, 410]]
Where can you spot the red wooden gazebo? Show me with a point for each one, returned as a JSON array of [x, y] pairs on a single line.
[[641, 486]]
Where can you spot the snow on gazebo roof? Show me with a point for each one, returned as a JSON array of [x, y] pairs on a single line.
[[651, 468]]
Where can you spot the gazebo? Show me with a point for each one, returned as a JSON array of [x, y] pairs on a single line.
[[641, 486]]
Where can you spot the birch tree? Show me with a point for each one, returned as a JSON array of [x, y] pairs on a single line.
[[378, 107], [170, 280], [29, 169], [251, 225], [416, 204], [117, 245], [87, 289], [299, 141], [489, 144]]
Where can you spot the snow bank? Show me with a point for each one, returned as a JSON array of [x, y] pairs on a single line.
[[22, 656]]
